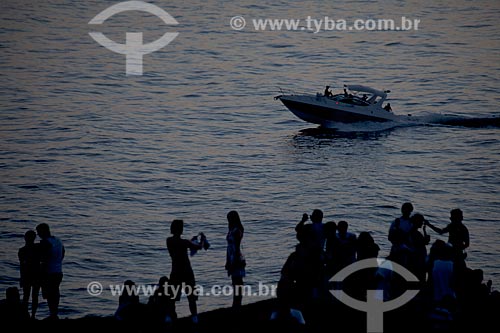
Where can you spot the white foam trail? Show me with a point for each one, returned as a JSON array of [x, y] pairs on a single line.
[[408, 121], [370, 126]]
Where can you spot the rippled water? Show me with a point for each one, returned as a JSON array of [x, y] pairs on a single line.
[[109, 160]]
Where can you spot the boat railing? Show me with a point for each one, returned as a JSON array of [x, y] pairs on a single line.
[[294, 92]]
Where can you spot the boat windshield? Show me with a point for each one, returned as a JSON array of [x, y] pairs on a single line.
[[352, 100], [364, 89]]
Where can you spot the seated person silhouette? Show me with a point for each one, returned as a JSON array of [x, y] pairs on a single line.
[[388, 107], [364, 98], [129, 306], [12, 310], [328, 92]]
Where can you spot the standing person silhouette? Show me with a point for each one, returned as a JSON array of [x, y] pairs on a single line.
[[29, 261], [346, 250], [235, 262], [328, 92], [313, 239], [51, 256], [417, 259], [399, 233], [182, 275], [458, 235]]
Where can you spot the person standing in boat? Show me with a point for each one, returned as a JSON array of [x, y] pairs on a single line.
[[328, 92], [235, 261]]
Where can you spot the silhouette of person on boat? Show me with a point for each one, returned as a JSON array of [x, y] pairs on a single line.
[[328, 92]]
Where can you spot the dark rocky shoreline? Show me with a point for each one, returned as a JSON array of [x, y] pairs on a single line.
[[325, 317]]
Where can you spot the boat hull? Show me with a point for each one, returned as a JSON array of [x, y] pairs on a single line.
[[326, 112]]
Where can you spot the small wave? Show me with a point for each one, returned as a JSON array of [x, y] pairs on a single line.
[[280, 46], [29, 187], [393, 44], [475, 26]]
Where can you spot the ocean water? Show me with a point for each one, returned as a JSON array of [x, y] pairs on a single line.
[[108, 160]]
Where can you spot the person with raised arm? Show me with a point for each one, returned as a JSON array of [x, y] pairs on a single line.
[[458, 235], [182, 275]]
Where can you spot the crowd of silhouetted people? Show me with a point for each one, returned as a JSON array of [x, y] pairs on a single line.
[[447, 287]]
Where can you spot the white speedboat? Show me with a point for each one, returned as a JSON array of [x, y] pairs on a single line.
[[357, 104]]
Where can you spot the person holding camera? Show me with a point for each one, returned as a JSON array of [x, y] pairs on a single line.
[[182, 275]]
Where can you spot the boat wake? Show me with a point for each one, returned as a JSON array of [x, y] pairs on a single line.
[[427, 120], [451, 120]]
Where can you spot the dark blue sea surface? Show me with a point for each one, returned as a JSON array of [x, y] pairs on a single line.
[[108, 160]]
